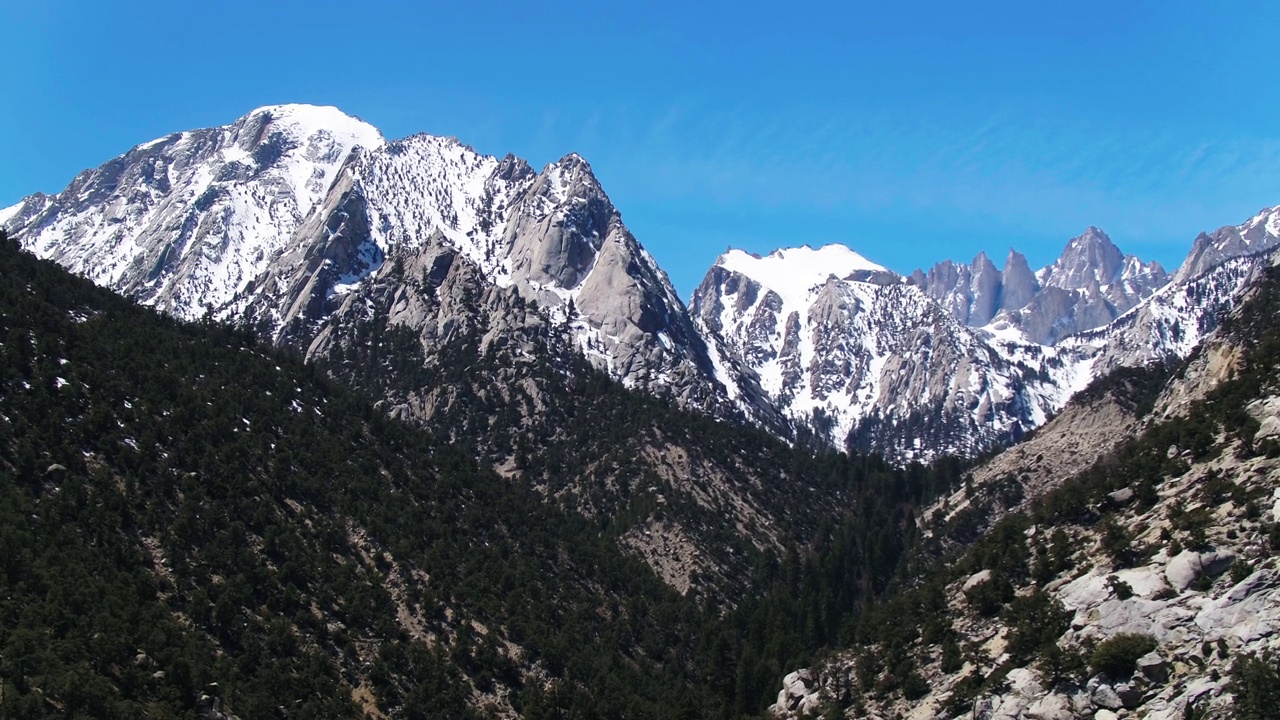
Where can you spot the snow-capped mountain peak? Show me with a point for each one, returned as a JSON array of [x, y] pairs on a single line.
[[306, 144], [305, 121], [185, 221], [305, 222], [874, 362], [794, 273], [868, 359], [9, 212], [1257, 234]]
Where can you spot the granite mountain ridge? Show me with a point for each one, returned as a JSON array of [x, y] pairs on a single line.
[[302, 222]]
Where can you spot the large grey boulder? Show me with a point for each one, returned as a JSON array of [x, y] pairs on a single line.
[[1130, 694], [1121, 496], [796, 689], [976, 579], [1153, 667], [1188, 565], [1051, 707], [1246, 613], [1104, 696]]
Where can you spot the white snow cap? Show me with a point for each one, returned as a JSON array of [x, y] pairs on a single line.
[[306, 120], [9, 212], [792, 272]]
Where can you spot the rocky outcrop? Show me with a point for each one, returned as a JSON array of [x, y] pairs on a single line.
[[799, 694], [1258, 234], [1019, 284], [558, 249], [972, 293], [1199, 616]]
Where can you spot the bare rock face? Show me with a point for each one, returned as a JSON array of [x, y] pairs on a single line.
[[1047, 317], [558, 248], [1088, 259], [1258, 234], [332, 247], [972, 293], [1019, 284], [1087, 287], [987, 286], [628, 302]]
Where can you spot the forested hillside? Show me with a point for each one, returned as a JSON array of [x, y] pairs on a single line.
[[185, 506], [194, 521]]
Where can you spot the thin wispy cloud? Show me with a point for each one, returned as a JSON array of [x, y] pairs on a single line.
[[874, 178], [870, 160]]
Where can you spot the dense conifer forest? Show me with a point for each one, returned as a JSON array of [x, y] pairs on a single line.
[[192, 518]]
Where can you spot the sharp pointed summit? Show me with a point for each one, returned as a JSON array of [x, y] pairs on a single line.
[[1090, 258]]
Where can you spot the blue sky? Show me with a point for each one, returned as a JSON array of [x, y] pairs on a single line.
[[911, 133]]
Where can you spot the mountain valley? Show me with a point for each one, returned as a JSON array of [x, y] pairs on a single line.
[[357, 427]]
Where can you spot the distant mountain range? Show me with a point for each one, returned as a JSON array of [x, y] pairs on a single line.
[[305, 223]]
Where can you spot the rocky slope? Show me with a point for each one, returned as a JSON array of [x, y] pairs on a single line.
[[1124, 577], [462, 291], [196, 524]]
